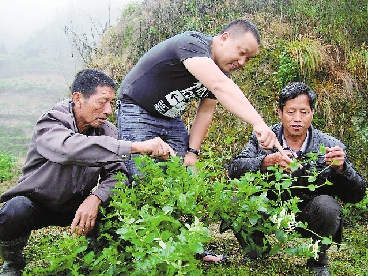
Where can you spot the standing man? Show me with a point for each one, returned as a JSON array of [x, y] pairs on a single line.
[[189, 66], [73, 149], [319, 208]]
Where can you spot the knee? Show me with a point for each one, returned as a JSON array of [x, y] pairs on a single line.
[[327, 207], [15, 210], [323, 215]]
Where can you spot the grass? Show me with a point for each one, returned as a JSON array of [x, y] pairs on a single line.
[[349, 259]]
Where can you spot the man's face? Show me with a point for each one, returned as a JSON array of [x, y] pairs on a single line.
[[234, 53], [296, 117], [93, 111]]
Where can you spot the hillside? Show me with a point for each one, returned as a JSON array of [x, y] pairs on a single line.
[[322, 43], [37, 74]]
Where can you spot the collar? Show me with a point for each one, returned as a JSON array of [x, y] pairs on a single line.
[[299, 152]]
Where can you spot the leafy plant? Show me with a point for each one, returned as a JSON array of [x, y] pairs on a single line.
[[308, 55], [152, 228], [7, 166], [287, 70], [358, 212], [159, 224], [257, 203]]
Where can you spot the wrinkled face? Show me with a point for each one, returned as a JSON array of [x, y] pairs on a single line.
[[296, 117], [234, 53], [93, 111]]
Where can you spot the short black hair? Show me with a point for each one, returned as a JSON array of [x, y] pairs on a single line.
[[293, 90], [240, 27], [87, 80]]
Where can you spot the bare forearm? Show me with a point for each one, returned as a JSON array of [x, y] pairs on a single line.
[[233, 99], [154, 147], [225, 90], [201, 123]]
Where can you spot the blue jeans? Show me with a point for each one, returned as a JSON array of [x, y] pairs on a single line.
[[20, 215], [136, 124]]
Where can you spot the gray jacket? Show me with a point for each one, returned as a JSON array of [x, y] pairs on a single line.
[[63, 166], [349, 186]]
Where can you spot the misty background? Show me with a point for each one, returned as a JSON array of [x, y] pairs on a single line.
[[43, 44]]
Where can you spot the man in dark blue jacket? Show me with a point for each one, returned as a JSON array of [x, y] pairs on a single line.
[[319, 208]]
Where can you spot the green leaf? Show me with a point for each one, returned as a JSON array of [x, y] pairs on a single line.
[[280, 236], [89, 257], [262, 209], [322, 149], [196, 247], [124, 232], [253, 219], [182, 199], [294, 166], [311, 187], [162, 244], [286, 183], [326, 240], [149, 237], [327, 182], [167, 209]]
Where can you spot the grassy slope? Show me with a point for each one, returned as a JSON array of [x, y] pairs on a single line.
[[321, 64], [350, 259]]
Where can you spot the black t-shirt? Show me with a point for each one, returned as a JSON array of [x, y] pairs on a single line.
[[160, 83]]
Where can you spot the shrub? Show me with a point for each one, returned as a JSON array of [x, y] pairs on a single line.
[[8, 167], [157, 226]]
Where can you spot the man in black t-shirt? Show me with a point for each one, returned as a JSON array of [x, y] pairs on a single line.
[[189, 66]]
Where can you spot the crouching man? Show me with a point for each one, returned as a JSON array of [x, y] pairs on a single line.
[[73, 149], [319, 208]]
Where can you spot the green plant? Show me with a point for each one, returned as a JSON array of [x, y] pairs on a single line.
[[153, 227], [308, 54], [357, 212], [7, 166], [257, 203], [159, 224], [358, 60], [287, 70]]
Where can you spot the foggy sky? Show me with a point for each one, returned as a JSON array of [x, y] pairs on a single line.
[[20, 18]]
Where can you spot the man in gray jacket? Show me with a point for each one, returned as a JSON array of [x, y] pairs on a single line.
[[70, 168], [319, 208]]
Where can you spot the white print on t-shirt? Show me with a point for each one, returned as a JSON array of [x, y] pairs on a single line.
[[177, 100]]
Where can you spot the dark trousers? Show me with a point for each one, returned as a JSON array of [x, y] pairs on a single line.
[[323, 217], [323, 214], [19, 216]]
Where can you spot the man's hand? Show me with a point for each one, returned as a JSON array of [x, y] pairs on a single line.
[[190, 159], [335, 157], [277, 158], [267, 139], [156, 147], [85, 217]]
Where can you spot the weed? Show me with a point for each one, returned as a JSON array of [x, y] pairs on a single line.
[[158, 225], [7, 166]]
